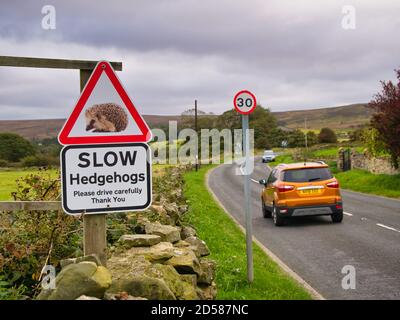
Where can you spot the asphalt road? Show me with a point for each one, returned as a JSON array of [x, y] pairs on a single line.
[[315, 248]]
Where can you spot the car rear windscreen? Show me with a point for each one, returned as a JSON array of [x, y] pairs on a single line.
[[307, 175]]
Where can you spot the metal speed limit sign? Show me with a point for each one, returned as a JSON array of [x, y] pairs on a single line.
[[245, 102]]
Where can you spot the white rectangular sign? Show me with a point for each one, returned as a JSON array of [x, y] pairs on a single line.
[[106, 178]]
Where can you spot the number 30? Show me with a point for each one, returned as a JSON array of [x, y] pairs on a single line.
[[248, 102]]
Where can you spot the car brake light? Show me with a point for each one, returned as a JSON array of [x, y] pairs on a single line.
[[333, 184], [339, 206], [284, 188]]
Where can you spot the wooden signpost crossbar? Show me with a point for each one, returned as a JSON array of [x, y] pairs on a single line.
[[28, 62]]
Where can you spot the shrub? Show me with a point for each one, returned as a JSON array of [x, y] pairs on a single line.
[[29, 240], [327, 135], [8, 292], [371, 138], [356, 135], [296, 139], [3, 163], [13, 147], [40, 161], [312, 138]]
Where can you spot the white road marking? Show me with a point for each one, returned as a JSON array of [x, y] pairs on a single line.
[[255, 181], [387, 227], [348, 214]]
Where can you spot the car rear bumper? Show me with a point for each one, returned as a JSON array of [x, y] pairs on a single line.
[[315, 210]]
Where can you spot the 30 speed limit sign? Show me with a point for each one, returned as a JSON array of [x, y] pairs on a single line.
[[245, 102]]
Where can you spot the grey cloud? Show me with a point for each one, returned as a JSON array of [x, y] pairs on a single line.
[[293, 54]]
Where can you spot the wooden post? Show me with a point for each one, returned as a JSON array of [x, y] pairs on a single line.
[[94, 225], [94, 236]]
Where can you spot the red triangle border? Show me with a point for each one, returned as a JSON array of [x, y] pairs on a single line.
[[103, 66]]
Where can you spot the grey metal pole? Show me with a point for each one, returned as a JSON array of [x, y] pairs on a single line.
[[249, 225]]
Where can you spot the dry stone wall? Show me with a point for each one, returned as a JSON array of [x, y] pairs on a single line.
[[364, 161], [162, 260]]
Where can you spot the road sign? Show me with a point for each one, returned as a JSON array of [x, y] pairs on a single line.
[[104, 113], [106, 178], [245, 102]]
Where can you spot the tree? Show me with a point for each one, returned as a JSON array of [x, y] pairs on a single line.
[[311, 138], [229, 120], [386, 119], [276, 136], [296, 138], [13, 147], [357, 134], [327, 135], [375, 146], [204, 120], [261, 120]]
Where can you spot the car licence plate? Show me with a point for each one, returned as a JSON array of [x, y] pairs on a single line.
[[310, 191]]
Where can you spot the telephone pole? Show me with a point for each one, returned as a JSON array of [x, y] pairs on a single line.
[[305, 132], [195, 128]]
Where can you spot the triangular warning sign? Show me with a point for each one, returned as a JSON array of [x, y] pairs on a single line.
[[104, 113]]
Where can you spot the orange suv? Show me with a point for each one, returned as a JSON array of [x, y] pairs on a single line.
[[301, 189]]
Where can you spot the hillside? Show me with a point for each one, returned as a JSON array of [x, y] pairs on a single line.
[[339, 118], [49, 128]]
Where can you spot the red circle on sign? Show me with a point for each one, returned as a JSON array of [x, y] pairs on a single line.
[[240, 108]]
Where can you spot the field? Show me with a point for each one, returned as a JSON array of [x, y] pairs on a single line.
[[8, 184], [338, 118], [49, 128], [227, 246]]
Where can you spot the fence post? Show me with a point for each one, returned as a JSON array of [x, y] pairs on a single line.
[[340, 162], [94, 225]]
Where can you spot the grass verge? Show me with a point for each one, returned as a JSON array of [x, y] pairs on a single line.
[[283, 158], [366, 182], [227, 245]]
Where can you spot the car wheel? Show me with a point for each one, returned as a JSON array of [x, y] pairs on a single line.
[[265, 211], [337, 217], [278, 220]]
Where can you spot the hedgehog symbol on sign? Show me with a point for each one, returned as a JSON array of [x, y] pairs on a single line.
[[106, 117], [104, 113]]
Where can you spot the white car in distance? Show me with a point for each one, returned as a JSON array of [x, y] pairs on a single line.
[[268, 156]]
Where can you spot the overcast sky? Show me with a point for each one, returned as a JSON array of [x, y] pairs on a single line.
[[293, 54]]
